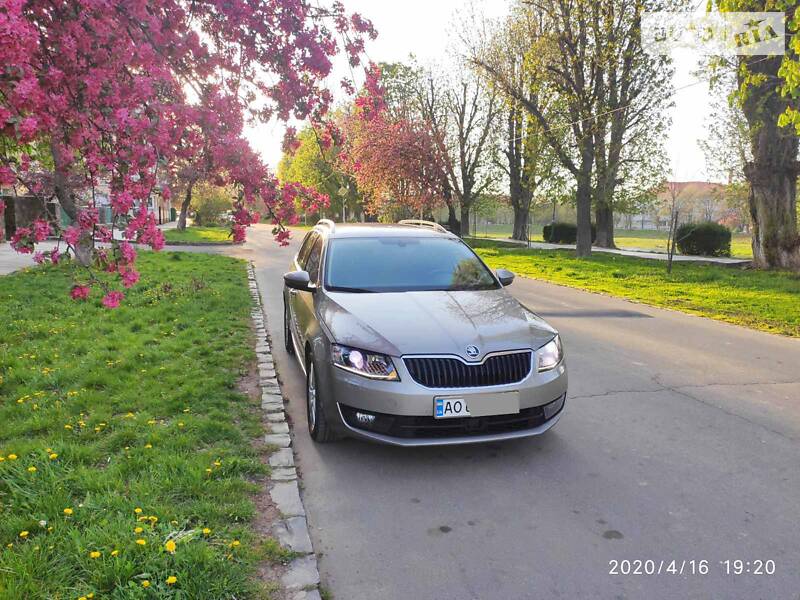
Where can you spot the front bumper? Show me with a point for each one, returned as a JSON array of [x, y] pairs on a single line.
[[427, 431], [410, 407]]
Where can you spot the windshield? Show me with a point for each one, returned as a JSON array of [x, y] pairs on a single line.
[[404, 264]]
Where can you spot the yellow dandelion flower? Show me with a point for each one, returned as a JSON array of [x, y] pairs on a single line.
[[53, 456], [153, 519], [91, 595], [23, 534], [94, 554], [82, 598], [67, 426], [137, 510], [141, 542], [172, 580], [138, 530], [235, 544], [12, 457], [68, 511], [145, 583], [115, 553], [31, 469], [206, 531], [170, 546], [148, 446]]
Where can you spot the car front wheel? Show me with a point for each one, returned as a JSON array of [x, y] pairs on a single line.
[[318, 426], [287, 331]]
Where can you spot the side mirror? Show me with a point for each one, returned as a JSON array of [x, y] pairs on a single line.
[[298, 280], [506, 277]]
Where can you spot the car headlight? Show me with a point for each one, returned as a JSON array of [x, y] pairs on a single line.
[[362, 362], [550, 355]]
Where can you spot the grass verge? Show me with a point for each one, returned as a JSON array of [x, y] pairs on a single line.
[[628, 239], [124, 432], [199, 235], [767, 301]]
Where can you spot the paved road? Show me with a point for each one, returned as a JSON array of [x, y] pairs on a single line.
[[681, 441]]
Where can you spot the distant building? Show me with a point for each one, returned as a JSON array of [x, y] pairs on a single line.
[[696, 201]]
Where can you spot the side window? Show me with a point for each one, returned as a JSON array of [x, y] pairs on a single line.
[[306, 248], [312, 266]]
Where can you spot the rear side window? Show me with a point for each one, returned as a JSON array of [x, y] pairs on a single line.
[[312, 266]]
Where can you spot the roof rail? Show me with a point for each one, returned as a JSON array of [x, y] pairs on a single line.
[[327, 223], [421, 223]]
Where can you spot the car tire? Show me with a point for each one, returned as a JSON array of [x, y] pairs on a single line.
[[287, 331], [318, 426]]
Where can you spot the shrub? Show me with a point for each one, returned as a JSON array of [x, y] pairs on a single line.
[[210, 204], [704, 239], [564, 233]]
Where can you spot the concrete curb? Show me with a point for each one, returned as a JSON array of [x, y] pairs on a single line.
[[301, 580]]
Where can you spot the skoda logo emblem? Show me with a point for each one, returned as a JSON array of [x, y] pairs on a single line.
[[472, 351]]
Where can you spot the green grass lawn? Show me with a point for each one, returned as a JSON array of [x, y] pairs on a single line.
[[124, 431], [637, 239], [204, 235], [657, 241], [761, 300]]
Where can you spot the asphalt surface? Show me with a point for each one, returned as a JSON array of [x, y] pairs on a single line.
[[680, 442]]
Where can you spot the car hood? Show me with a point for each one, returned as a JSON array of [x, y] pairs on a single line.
[[433, 322]]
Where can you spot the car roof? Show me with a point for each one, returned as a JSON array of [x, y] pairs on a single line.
[[360, 230]]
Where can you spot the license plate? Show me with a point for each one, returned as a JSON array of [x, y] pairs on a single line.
[[450, 408], [476, 405]]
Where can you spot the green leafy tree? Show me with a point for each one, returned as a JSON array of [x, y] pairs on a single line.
[[314, 163], [210, 203], [769, 94]]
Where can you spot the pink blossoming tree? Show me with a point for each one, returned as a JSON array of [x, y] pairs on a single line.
[[129, 92]]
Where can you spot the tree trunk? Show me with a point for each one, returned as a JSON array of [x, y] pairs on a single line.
[[583, 199], [452, 219], [583, 202], [521, 223], [187, 200], [66, 198], [604, 220], [464, 220], [773, 201], [772, 176]]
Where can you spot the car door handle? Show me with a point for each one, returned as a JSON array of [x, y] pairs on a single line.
[[293, 292]]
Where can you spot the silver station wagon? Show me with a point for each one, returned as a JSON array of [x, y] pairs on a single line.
[[406, 337]]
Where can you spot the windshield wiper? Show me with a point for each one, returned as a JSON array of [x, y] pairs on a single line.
[[351, 290]]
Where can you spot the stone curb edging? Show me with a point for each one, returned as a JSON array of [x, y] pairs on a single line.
[[301, 580]]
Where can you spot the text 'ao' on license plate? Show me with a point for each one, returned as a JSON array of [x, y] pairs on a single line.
[[450, 408]]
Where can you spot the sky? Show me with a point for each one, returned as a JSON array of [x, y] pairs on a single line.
[[425, 28]]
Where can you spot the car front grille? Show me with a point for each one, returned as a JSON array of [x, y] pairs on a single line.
[[443, 372]]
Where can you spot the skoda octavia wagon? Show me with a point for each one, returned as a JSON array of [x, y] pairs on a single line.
[[406, 337]]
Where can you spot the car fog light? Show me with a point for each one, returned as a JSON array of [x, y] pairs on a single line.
[[552, 409], [365, 418]]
